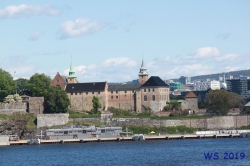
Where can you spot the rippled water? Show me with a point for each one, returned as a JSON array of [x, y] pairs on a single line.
[[164, 152]]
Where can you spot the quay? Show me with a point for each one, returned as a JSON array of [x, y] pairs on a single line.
[[114, 139]]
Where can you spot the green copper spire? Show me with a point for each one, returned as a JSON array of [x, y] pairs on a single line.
[[71, 71]]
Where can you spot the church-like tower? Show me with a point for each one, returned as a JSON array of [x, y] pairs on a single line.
[[72, 77], [143, 74]]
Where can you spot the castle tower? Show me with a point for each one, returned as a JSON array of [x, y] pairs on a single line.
[[72, 77], [143, 74]]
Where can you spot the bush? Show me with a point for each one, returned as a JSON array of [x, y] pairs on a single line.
[[167, 108]]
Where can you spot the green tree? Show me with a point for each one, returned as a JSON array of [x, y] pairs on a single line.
[[96, 105], [22, 86], [7, 84], [38, 85], [220, 101], [56, 100]]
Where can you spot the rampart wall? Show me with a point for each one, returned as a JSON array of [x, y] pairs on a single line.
[[48, 120], [222, 122], [11, 108]]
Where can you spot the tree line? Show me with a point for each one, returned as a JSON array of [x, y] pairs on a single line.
[[56, 99]]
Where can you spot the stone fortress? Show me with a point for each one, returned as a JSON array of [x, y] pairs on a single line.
[[148, 93]]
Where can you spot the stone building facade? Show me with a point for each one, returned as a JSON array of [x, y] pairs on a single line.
[[190, 102], [154, 94], [123, 96], [81, 95]]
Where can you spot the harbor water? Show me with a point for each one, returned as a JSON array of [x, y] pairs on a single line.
[[224, 151]]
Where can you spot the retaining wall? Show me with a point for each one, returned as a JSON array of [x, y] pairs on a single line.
[[48, 120], [11, 108]]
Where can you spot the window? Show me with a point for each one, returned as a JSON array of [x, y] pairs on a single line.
[[144, 90], [71, 93], [153, 90], [153, 97], [111, 97], [125, 91], [80, 93], [145, 98], [93, 92], [133, 91], [111, 92], [99, 92], [148, 90], [76, 93], [117, 97], [116, 91], [86, 93]]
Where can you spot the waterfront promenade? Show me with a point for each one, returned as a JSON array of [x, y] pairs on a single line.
[[147, 137]]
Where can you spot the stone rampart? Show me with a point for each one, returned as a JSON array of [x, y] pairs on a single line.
[[220, 122], [12, 108], [48, 120]]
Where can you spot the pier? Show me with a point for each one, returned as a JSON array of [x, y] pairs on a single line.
[[114, 139]]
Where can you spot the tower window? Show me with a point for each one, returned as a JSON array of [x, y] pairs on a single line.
[[145, 98], [153, 97]]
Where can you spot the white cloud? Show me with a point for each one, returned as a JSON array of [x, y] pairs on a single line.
[[79, 27], [228, 57], [111, 70], [35, 36], [206, 52], [119, 61], [27, 10]]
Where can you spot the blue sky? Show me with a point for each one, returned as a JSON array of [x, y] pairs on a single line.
[[107, 39]]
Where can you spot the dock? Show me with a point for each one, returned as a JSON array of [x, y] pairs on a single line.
[[115, 139]]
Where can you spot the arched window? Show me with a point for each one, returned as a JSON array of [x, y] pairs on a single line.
[[145, 98], [153, 97]]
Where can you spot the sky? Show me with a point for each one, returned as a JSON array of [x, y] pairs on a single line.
[[107, 40]]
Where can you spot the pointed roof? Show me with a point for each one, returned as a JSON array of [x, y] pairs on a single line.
[[71, 67], [142, 64], [248, 104], [71, 71], [155, 81], [191, 95], [143, 70]]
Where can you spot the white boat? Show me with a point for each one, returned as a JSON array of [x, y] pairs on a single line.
[[138, 137], [34, 141]]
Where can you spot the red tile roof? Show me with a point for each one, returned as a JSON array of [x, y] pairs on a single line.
[[191, 95]]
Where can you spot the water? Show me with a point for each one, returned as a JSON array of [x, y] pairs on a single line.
[[164, 152]]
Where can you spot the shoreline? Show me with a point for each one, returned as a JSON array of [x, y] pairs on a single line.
[[117, 139]]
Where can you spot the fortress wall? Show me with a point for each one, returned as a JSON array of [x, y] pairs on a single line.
[[11, 108], [48, 120]]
